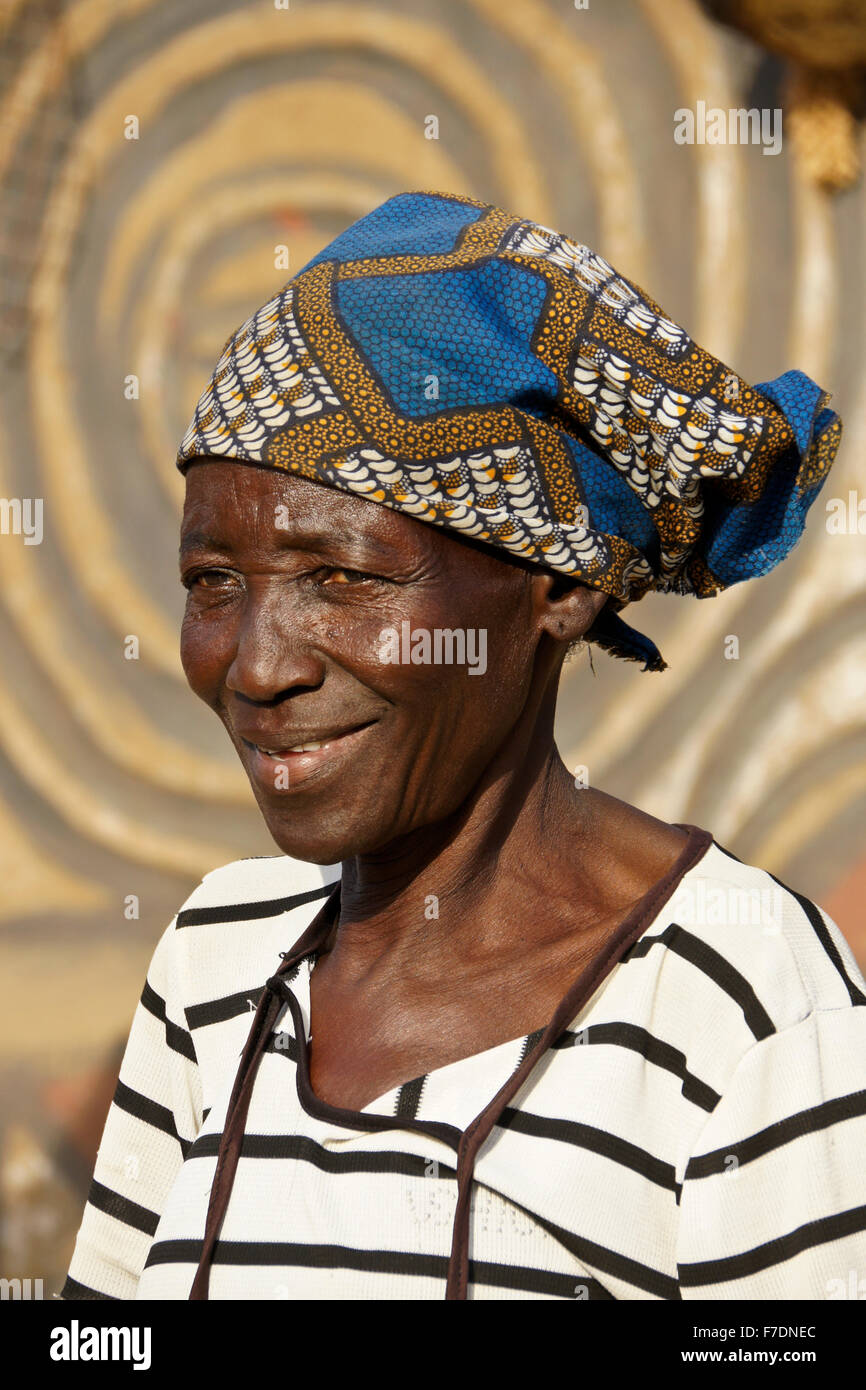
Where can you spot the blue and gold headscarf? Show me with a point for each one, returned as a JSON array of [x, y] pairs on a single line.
[[482, 373]]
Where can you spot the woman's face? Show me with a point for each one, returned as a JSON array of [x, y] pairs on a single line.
[[291, 585]]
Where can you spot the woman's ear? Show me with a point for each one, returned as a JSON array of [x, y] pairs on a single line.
[[602, 606], [572, 607]]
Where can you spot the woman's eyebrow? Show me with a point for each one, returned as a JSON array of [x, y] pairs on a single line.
[[200, 540], [365, 547]]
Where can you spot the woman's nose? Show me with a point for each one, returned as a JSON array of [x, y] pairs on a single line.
[[274, 650]]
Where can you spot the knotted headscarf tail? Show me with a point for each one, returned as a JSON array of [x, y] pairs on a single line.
[[276, 995], [482, 373]]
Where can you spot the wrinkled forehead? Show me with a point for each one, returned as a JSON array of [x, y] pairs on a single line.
[[229, 502], [241, 497]]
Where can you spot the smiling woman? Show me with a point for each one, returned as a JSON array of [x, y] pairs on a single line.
[[512, 1037]]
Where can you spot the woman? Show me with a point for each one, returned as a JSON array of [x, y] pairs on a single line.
[[513, 1038]]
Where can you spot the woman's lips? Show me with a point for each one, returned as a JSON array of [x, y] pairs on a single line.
[[299, 767]]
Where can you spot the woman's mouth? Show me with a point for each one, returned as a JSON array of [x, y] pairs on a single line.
[[284, 768]]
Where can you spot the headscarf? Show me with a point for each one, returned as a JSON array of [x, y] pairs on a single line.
[[482, 373]]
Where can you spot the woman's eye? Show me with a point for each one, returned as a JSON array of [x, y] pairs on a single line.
[[352, 576], [211, 580], [206, 579]]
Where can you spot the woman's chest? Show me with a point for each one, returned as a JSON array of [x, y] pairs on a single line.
[[324, 1209], [353, 1060], [364, 1043]]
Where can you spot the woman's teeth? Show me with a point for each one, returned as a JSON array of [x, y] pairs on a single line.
[[284, 752]]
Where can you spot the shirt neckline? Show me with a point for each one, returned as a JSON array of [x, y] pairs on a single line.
[[642, 915], [513, 1046]]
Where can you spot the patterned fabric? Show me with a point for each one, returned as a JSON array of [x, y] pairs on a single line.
[[482, 373]]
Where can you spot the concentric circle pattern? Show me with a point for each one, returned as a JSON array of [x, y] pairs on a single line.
[[165, 170]]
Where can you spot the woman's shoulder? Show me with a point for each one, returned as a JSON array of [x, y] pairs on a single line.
[[234, 923], [259, 880], [761, 940], [740, 983]]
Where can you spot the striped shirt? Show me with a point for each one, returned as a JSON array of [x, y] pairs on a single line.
[[698, 1131]]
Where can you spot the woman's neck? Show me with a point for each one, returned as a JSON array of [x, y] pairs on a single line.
[[523, 838]]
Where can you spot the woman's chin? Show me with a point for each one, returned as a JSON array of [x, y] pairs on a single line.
[[327, 847]]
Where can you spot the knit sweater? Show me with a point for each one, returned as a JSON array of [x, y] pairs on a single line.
[[697, 1131]]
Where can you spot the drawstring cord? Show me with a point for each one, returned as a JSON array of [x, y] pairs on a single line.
[[270, 1007], [231, 1141], [467, 1150]]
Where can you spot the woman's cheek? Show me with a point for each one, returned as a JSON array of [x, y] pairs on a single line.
[[205, 653]]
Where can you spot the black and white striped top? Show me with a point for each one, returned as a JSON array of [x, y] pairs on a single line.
[[699, 1131]]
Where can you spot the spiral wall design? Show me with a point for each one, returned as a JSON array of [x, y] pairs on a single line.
[[157, 161]]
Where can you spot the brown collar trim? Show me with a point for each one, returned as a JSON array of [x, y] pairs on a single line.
[[354, 1119], [628, 932]]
